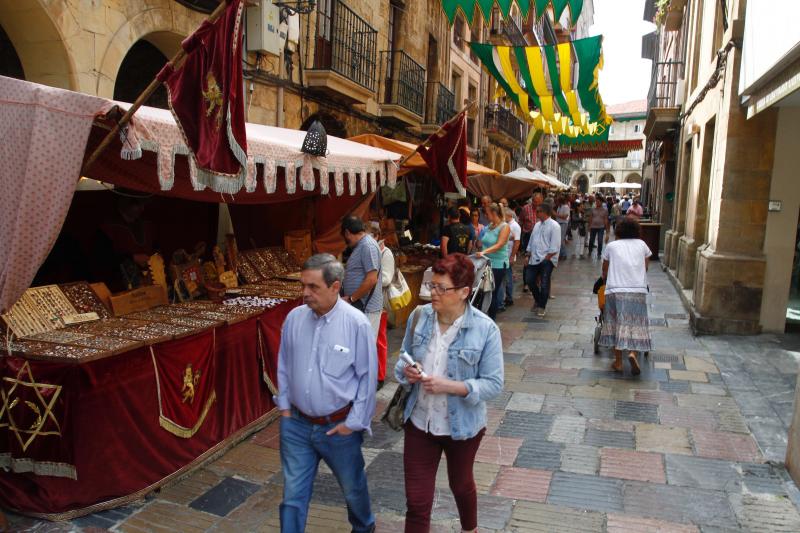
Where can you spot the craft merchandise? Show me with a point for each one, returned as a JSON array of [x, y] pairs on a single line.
[[254, 301], [84, 299]]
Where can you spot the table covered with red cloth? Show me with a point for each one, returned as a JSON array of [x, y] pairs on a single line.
[[102, 431]]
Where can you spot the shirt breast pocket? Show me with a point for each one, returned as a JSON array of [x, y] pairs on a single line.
[[468, 363], [337, 360]]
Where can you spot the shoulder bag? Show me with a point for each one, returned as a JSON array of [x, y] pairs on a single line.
[[393, 415]]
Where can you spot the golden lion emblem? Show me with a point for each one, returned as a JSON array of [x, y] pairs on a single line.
[[213, 96], [190, 379]]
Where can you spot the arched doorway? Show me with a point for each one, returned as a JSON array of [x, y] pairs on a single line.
[[141, 64], [333, 126], [32, 39], [581, 183], [10, 64], [507, 164], [633, 178], [606, 178]]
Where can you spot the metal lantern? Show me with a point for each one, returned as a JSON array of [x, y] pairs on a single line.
[[316, 141]]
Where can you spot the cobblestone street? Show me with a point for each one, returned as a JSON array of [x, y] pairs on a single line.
[[695, 443]]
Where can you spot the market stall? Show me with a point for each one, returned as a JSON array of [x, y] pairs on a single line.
[[105, 397]]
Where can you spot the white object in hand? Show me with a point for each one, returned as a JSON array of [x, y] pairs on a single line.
[[407, 359]]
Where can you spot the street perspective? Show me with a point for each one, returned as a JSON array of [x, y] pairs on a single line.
[[399, 266]]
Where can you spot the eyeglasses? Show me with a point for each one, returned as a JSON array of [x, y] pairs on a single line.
[[439, 289]]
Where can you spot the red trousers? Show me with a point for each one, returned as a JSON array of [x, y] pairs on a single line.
[[383, 347], [421, 454]]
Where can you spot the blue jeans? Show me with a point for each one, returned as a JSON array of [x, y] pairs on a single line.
[[509, 281], [600, 234], [303, 444], [499, 274], [540, 290]]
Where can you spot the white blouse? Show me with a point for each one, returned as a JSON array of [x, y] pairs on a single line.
[[430, 410]]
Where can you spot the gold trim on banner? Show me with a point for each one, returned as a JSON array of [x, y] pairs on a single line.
[[270, 385], [43, 410], [21, 465], [173, 427]]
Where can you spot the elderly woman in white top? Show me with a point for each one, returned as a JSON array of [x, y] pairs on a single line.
[[387, 274]]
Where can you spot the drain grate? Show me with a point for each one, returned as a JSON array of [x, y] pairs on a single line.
[[665, 358]]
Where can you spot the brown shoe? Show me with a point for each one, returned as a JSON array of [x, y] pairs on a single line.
[[635, 370]]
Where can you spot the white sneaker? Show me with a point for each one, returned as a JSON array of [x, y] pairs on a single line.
[[540, 313]]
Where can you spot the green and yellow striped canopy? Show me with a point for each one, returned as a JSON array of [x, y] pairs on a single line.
[[467, 7]]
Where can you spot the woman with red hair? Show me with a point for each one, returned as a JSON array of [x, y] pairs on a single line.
[[461, 354]]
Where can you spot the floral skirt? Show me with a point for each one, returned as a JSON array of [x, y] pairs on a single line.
[[625, 322]]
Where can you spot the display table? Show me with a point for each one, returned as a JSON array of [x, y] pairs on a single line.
[[83, 436], [651, 235]]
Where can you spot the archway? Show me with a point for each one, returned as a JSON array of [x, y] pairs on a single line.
[[606, 178], [507, 164], [333, 126], [10, 64], [37, 44], [141, 64], [581, 183], [633, 178], [497, 165]]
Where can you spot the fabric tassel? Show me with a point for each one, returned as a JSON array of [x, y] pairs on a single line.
[[338, 181], [363, 179], [270, 176], [307, 174], [291, 177], [351, 180]]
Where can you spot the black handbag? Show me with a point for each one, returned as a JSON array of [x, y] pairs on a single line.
[[597, 284], [393, 414]]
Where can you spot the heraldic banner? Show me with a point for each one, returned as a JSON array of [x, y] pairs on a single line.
[[35, 428], [185, 377]]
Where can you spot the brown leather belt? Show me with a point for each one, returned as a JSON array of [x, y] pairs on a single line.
[[336, 416]]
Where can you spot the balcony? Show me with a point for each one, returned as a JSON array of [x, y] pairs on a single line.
[[344, 54], [403, 89], [506, 31], [440, 106], [503, 127], [664, 100]]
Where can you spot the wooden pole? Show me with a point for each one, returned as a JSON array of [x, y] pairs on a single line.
[[142, 98], [437, 133]]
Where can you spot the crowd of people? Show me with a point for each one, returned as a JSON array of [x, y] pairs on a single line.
[[332, 358]]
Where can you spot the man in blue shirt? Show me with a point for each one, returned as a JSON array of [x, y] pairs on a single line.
[[361, 285], [327, 372], [543, 248]]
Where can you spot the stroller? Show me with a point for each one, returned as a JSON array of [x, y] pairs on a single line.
[[600, 290], [482, 288]]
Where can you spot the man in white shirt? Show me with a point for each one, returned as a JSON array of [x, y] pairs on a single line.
[[513, 247], [543, 250]]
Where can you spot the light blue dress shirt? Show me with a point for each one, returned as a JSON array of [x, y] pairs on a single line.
[[326, 362], [545, 239]]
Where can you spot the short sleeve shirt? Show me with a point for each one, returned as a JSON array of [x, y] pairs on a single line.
[[515, 235], [365, 258], [458, 237], [598, 217], [626, 265]]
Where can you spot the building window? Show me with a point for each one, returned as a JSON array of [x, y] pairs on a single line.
[[471, 132], [459, 27], [637, 128], [455, 86]]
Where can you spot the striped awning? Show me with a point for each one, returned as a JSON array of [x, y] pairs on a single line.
[[605, 150]]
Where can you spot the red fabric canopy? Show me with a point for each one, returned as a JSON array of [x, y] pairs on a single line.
[[607, 150]]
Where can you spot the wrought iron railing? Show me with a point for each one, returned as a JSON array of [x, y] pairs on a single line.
[[403, 81], [664, 84], [499, 119], [345, 43], [441, 104]]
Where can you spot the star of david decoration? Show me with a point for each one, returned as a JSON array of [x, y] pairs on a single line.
[[11, 405]]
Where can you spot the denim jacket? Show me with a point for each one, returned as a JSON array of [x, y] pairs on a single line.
[[475, 357]]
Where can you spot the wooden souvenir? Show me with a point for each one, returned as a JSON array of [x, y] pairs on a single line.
[[84, 299], [210, 272], [39, 309], [158, 273], [229, 279], [219, 259], [140, 299], [233, 252], [298, 243]]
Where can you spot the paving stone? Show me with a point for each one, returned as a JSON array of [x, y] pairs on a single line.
[[257, 511], [493, 419], [687, 417], [521, 424], [585, 492], [654, 438], [629, 464], [674, 386], [513, 358], [766, 513], [723, 445], [678, 504], [663, 366], [270, 436], [618, 523], [616, 439], [590, 391], [731, 421], [248, 461], [580, 459], [523, 484], [542, 518], [224, 497], [321, 519], [611, 425], [665, 358], [764, 478], [483, 473], [386, 482], [533, 362], [637, 411], [500, 401], [658, 322], [591, 408], [383, 437], [168, 517], [494, 513], [539, 454], [522, 401], [512, 373], [559, 405], [704, 401], [700, 364], [688, 375], [654, 397], [533, 387], [568, 429], [712, 474], [498, 450], [190, 487], [708, 388]]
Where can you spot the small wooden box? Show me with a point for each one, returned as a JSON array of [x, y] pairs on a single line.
[[298, 243], [140, 299]]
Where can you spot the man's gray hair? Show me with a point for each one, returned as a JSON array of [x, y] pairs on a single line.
[[332, 270]]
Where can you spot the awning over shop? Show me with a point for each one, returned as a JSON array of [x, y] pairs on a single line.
[[415, 162], [615, 185], [604, 150], [519, 183]]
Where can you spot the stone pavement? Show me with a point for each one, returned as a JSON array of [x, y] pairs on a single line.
[[693, 444]]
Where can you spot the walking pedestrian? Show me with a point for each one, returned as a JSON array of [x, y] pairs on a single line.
[[486, 201], [598, 225], [527, 219], [636, 210], [562, 217], [543, 252], [327, 368], [387, 275], [477, 228], [455, 236], [461, 352], [513, 247], [361, 284], [625, 321], [493, 247], [578, 228]]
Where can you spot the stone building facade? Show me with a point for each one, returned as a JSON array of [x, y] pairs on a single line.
[[719, 163]]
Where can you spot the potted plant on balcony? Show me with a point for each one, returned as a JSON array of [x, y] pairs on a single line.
[[669, 14]]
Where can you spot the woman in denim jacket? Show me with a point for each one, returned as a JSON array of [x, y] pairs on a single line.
[[460, 351]]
